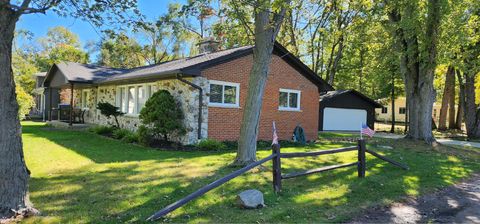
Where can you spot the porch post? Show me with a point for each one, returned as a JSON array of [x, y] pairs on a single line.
[[50, 107], [71, 104]]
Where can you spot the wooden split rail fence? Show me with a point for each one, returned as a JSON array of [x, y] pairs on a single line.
[[276, 158]]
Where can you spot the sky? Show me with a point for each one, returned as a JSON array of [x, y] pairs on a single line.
[[38, 24]]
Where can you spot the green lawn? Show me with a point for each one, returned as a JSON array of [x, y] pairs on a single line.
[[81, 177]]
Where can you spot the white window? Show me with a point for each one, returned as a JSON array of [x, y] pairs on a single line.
[[131, 99], [84, 98], [289, 99], [224, 94]]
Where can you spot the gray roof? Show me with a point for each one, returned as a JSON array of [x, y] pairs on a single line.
[[77, 72], [189, 66]]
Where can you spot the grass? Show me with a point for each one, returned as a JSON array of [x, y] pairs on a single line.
[[80, 177]]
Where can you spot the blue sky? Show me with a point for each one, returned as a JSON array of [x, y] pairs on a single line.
[[38, 24]]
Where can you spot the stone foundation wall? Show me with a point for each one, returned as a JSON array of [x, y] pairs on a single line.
[[186, 96]]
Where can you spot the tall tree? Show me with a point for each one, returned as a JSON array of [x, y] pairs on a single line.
[[121, 51], [417, 41], [268, 16], [469, 28], [447, 101], [13, 171]]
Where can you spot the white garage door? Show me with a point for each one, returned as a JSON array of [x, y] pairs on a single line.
[[341, 119]]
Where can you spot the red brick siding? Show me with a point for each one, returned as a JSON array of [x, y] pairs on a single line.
[[224, 123]]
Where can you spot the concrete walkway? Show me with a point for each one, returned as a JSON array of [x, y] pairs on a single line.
[[439, 140], [458, 143]]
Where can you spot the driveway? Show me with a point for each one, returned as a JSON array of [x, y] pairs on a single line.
[[456, 204]]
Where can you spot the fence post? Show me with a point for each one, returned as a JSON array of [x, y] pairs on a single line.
[[276, 169], [361, 158]]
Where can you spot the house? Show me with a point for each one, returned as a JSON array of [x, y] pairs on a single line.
[[211, 89], [346, 110], [385, 114]]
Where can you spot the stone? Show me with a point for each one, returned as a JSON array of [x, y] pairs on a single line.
[[250, 199]]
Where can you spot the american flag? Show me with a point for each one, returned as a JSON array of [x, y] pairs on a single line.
[[367, 131], [275, 136]]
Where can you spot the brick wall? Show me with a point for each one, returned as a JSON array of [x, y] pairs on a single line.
[[224, 123]]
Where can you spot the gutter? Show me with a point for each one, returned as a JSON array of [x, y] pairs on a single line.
[[200, 102]]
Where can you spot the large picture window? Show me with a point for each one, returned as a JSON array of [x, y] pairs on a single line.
[[132, 98], [289, 99], [224, 94]]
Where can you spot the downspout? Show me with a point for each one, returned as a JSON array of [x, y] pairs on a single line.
[[200, 102]]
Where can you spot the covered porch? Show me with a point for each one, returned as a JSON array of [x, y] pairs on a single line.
[[63, 104]]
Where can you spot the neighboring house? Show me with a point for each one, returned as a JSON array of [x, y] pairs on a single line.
[[346, 110], [211, 89], [385, 114]]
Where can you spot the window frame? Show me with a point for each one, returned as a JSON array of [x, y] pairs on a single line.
[[400, 110], [385, 109], [84, 102], [223, 84], [288, 91], [121, 100]]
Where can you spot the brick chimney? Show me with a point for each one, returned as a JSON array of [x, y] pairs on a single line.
[[208, 45]]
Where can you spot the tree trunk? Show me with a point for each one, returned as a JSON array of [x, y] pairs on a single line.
[[13, 171], [336, 62], [265, 33], [447, 92], [451, 102], [461, 101], [392, 129], [471, 118], [418, 71]]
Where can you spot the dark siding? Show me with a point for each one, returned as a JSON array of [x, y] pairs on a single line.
[[55, 102], [349, 101]]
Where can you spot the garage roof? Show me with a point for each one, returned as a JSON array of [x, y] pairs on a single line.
[[332, 95]]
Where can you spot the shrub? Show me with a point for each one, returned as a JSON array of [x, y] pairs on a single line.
[[101, 130], [120, 133], [108, 110], [25, 102], [162, 115], [130, 138], [211, 145], [144, 136]]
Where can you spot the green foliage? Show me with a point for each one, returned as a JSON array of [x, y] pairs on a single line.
[[145, 135], [25, 102], [108, 110], [121, 52], [211, 145], [130, 138], [59, 45], [120, 133], [102, 130], [163, 115]]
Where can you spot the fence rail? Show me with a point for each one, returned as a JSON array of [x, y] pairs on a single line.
[[276, 157], [317, 153]]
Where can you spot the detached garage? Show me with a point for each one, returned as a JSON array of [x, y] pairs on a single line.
[[346, 110]]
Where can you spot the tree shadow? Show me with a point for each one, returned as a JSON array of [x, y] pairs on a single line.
[[133, 182]]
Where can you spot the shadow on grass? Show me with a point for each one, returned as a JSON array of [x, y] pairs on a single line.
[[129, 183]]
